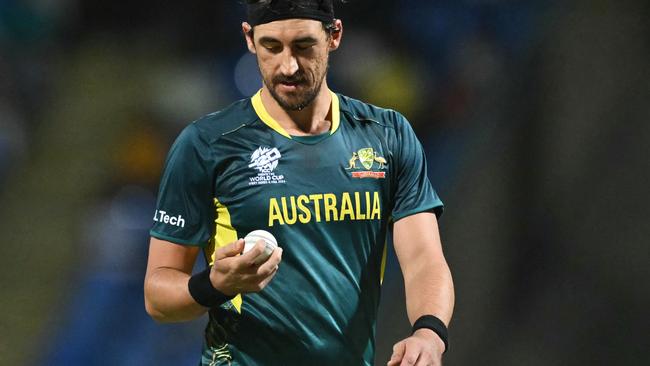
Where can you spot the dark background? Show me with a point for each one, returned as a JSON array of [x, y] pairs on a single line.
[[534, 115]]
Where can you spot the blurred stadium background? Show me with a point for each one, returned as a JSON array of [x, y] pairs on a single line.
[[534, 114]]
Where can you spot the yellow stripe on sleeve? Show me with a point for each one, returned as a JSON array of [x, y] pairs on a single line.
[[383, 263], [224, 234]]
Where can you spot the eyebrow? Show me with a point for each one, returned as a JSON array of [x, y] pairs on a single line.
[[307, 39], [268, 40]]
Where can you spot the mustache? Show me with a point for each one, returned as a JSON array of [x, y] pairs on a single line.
[[297, 78]]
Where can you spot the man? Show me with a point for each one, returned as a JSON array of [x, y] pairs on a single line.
[[282, 161]]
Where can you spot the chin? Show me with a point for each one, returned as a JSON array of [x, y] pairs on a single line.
[[292, 100]]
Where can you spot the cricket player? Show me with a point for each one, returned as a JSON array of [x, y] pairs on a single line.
[[329, 176]]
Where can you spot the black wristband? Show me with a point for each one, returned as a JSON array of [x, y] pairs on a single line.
[[436, 325], [203, 292]]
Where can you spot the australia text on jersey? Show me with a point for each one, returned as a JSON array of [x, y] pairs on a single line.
[[265, 160], [326, 207]]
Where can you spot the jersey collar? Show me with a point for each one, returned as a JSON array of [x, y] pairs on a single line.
[[272, 123]]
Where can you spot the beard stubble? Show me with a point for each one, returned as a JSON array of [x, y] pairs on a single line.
[[302, 99]]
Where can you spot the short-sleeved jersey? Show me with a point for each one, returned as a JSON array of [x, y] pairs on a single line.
[[328, 200]]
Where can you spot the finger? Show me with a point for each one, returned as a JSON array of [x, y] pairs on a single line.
[[424, 359], [411, 354], [256, 283], [398, 353], [264, 248], [393, 362], [268, 278], [249, 257], [230, 250], [271, 264]]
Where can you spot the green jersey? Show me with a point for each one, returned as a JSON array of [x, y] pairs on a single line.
[[328, 200]]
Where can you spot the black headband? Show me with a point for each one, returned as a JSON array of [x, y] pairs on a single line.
[[266, 11]]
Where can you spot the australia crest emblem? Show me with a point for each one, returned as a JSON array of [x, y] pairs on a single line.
[[366, 163]]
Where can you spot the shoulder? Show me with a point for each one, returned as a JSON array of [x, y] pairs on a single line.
[[213, 126], [361, 111]]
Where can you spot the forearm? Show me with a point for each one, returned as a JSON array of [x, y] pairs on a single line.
[[167, 297], [427, 279], [429, 290]]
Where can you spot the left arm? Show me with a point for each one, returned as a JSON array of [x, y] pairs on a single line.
[[428, 284]]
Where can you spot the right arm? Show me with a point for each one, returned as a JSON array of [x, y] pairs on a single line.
[[186, 189], [166, 293]]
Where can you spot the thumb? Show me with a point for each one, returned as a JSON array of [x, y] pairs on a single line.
[[230, 250]]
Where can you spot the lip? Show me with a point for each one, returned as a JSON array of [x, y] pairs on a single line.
[[289, 87]]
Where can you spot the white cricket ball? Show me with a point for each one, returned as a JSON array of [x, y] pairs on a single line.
[[253, 237]]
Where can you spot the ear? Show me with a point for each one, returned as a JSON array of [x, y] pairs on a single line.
[[250, 42], [337, 35]]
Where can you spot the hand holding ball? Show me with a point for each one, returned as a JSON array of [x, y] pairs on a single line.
[[269, 241]]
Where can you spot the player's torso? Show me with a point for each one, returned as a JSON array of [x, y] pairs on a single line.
[[274, 183], [326, 199]]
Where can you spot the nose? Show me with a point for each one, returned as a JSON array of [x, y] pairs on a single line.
[[289, 64]]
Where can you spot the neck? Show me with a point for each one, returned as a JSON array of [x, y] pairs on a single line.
[[314, 119]]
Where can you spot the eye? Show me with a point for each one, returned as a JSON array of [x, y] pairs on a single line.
[[273, 48], [304, 46]]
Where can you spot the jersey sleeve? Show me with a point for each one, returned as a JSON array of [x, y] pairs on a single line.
[[185, 210], [414, 193]]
